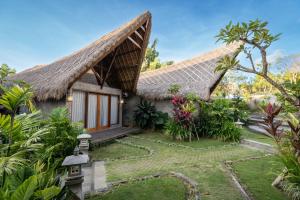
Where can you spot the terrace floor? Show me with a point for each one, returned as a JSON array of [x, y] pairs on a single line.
[[110, 134]]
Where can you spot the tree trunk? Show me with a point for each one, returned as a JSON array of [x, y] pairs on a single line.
[[288, 97], [10, 140]]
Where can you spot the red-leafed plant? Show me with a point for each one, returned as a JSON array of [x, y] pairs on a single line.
[[270, 124], [295, 135], [180, 126]]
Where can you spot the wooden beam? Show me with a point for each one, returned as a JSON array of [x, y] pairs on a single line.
[[134, 42], [126, 67], [110, 65], [127, 52], [139, 35], [147, 24], [143, 28], [98, 77]]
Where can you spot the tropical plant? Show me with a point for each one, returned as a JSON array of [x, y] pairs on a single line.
[[146, 116], [5, 71], [176, 130], [216, 119], [183, 109], [270, 124], [174, 89], [151, 60], [252, 36], [12, 99], [62, 137], [31, 183], [228, 132]]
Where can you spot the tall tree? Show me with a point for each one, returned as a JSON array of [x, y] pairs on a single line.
[[5, 71], [253, 35], [152, 60], [151, 55]]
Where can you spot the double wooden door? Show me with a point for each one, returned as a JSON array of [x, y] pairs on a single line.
[[98, 111]]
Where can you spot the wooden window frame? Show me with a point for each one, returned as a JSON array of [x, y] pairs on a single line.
[[98, 127]]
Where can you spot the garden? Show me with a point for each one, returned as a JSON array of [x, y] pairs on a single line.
[[204, 141], [197, 151]]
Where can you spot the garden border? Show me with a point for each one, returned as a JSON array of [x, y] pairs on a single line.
[[191, 185], [185, 146], [227, 165]]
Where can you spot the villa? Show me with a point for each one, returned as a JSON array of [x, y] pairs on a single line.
[[101, 83]]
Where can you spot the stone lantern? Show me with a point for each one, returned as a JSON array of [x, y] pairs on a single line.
[[239, 124], [75, 177], [84, 142]]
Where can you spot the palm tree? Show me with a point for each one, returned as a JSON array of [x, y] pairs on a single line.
[[12, 99], [5, 71]]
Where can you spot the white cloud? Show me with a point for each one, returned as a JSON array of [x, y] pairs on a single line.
[[273, 57]]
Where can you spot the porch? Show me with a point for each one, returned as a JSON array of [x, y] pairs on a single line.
[[110, 134]]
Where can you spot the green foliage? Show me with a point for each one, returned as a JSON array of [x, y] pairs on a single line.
[[226, 63], [5, 71], [229, 132], [151, 60], [176, 130], [146, 116], [15, 97], [255, 31], [61, 139], [217, 120], [192, 97], [34, 183], [174, 89]]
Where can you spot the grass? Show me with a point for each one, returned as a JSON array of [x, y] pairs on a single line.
[[158, 188], [116, 150], [247, 134], [202, 143], [203, 164], [258, 175]]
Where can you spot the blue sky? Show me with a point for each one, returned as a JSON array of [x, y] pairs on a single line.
[[39, 31]]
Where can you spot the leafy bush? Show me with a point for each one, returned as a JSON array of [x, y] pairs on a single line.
[[216, 120], [62, 137], [229, 132], [146, 116], [176, 130]]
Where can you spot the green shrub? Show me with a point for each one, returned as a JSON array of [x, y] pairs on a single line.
[[146, 116], [176, 130], [62, 139], [229, 132], [216, 120]]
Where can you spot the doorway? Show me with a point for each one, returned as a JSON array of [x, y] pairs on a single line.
[[97, 111]]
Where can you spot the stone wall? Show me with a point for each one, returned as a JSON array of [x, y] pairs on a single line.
[[131, 103]]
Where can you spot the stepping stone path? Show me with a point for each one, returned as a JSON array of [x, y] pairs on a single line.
[[94, 177]]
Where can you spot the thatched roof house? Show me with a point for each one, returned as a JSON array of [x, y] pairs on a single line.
[[123, 47], [91, 81], [195, 75]]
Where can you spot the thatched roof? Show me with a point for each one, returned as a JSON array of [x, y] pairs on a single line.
[[195, 75], [124, 47]]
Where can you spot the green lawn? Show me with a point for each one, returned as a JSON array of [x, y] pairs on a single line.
[[116, 150], [202, 143], [247, 134], [166, 188], [258, 175], [202, 163]]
